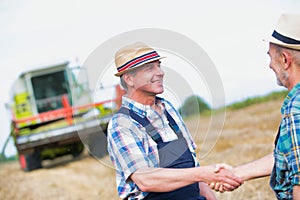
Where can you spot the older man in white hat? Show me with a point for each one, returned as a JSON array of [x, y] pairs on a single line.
[[148, 142], [284, 163]]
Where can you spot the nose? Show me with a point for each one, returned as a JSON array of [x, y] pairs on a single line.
[[160, 71]]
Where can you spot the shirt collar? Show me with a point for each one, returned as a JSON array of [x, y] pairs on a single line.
[[290, 95], [137, 107]]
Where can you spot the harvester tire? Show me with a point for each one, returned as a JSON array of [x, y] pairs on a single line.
[[30, 162], [77, 149]]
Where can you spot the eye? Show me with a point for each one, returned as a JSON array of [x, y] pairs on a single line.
[[148, 67]]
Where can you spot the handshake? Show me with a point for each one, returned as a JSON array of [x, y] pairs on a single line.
[[224, 178]]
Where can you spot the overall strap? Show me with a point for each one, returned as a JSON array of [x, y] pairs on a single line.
[[173, 124], [148, 126], [143, 121]]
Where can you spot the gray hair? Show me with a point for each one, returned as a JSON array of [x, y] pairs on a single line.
[[296, 56], [123, 82], [294, 53]]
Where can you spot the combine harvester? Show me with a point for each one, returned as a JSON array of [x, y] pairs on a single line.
[[53, 115]]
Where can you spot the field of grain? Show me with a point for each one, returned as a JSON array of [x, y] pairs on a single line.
[[247, 134], [244, 135]]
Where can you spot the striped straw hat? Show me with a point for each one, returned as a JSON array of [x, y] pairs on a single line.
[[287, 31], [133, 56]]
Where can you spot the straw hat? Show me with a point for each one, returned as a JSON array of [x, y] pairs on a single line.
[[133, 56], [287, 31]]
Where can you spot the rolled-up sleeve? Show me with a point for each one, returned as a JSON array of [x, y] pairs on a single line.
[[126, 150]]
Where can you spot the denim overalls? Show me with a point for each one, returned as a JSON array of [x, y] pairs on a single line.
[[173, 154]]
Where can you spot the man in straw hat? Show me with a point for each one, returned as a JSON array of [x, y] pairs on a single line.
[[284, 163], [148, 142]]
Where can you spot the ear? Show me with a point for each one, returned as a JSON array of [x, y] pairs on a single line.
[[286, 59], [128, 79]]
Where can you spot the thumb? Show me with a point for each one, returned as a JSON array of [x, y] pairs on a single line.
[[218, 167]]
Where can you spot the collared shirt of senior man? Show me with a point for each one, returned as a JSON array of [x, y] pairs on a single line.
[[148, 142]]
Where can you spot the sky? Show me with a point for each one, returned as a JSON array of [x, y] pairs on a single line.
[[231, 32]]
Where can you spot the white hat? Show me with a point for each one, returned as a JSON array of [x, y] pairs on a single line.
[[287, 31]]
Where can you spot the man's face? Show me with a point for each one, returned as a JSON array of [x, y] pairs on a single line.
[[148, 79], [275, 64]]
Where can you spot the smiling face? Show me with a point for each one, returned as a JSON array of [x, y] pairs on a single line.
[[146, 82]]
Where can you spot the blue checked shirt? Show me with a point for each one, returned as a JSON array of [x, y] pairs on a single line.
[[286, 173], [131, 148]]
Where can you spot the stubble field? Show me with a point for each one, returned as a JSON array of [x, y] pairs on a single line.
[[247, 134]]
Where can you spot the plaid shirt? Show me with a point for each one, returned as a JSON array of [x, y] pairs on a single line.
[[286, 173], [131, 148]]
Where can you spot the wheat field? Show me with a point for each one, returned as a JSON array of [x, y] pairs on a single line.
[[246, 135], [233, 137]]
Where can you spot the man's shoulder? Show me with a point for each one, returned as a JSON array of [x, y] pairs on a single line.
[[119, 119], [294, 104]]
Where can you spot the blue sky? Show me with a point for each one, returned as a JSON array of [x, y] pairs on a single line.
[[231, 32]]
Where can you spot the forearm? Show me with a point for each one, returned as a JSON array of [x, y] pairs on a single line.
[[296, 192], [256, 169], [164, 179], [206, 192], [167, 179]]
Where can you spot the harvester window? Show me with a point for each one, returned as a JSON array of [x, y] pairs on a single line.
[[49, 89]]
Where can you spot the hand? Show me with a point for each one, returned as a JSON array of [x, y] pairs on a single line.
[[222, 178], [222, 187], [224, 166]]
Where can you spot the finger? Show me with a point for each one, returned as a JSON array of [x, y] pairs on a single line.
[[233, 182], [212, 186], [227, 187], [221, 189], [217, 186]]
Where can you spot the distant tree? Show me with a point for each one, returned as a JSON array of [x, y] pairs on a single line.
[[193, 105]]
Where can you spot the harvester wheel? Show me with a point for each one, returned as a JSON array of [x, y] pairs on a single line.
[[30, 162], [77, 149]]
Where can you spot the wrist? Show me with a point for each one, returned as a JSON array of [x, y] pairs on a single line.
[[204, 173], [238, 171]]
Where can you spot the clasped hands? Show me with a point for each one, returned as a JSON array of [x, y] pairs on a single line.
[[227, 180]]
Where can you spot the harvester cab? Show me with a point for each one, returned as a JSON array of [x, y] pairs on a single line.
[[44, 105]]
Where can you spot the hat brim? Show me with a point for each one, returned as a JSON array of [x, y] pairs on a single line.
[[284, 41], [139, 65], [280, 43]]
